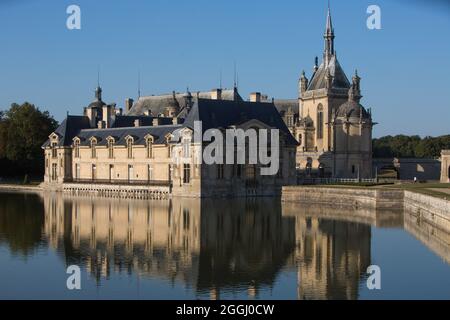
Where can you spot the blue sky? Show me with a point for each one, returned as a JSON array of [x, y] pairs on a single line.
[[404, 67]]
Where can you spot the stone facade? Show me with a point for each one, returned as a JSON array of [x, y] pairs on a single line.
[[445, 166], [109, 154]]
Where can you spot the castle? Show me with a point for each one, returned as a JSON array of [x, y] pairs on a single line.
[[333, 129], [137, 151]]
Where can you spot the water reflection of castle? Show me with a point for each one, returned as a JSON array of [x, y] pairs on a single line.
[[213, 247]]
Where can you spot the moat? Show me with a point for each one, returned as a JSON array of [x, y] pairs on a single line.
[[214, 249]]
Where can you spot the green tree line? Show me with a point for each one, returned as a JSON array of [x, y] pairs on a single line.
[[23, 130], [402, 146]]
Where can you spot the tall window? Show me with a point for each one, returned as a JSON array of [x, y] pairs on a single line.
[[150, 172], [93, 149], [186, 173], [186, 147], [300, 139], [111, 149], [220, 171], [94, 172], [149, 146], [320, 122], [239, 170], [130, 148], [77, 148], [54, 150], [250, 172], [449, 172]]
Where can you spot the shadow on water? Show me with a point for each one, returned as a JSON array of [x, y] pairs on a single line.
[[216, 247]]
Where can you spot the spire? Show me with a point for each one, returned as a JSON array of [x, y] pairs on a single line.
[[98, 93], [329, 38], [98, 90]]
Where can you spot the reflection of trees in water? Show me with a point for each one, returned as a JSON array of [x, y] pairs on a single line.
[[21, 222]]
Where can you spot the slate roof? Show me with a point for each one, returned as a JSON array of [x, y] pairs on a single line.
[[284, 105], [69, 128], [158, 104], [128, 121], [340, 80], [212, 113], [119, 134], [223, 114], [352, 109]]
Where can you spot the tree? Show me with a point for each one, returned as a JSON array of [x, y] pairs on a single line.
[[23, 130], [402, 146]]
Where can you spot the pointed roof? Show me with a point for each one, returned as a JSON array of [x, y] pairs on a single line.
[[340, 80], [329, 27]]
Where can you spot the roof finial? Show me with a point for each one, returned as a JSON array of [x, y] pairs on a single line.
[[235, 75], [329, 37], [139, 84], [98, 75]]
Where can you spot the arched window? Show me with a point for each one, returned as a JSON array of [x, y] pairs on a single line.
[[93, 148], [76, 145], [54, 150], [130, 147], [320, 122], [149, 146], [111, 148]]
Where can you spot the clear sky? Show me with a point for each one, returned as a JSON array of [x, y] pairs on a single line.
[[405, 66]]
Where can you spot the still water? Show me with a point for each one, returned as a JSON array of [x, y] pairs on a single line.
[[222, 249]]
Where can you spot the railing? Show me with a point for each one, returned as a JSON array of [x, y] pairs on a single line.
[[156, 183], [334, 180]]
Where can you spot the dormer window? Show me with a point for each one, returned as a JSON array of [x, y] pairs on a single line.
[[149, 146], [54, 150], [76, 147], [93, 148], [111, 143], [130, 142]]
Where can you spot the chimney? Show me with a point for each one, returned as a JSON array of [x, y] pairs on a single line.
[[155, 122], [255, 97], [216, 94], [128, 104], [176, 120], [137, 123]]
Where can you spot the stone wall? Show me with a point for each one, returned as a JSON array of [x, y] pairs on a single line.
[[435, 211], [345, 197]]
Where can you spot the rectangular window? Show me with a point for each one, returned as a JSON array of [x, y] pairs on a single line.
[[250, 172], [54, 175], [111, 172], [150, 172], [239, 170], [220, 171], [54, 150], [149, 149], [94, 172], [186, 173], [130, 172], [186, 148], [111, 150], [93, 150]]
